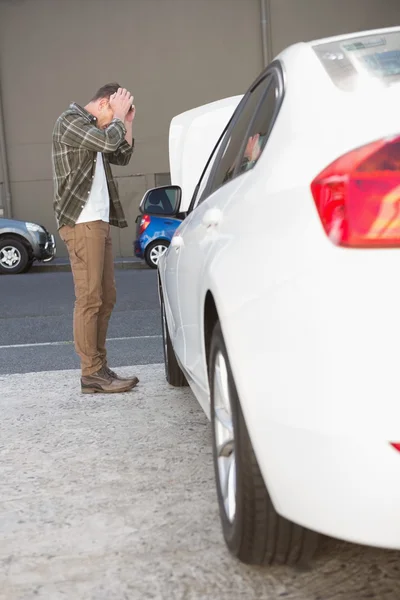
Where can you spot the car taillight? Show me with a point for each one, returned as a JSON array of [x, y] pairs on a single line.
[[144, 223], [358, 196]]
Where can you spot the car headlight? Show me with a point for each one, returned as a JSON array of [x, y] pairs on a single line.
[[34, 227]]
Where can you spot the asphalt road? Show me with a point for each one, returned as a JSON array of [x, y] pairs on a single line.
[[36, 322]]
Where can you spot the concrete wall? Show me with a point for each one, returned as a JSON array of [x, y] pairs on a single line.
[[2, 190], [173, 55], [305, 20]]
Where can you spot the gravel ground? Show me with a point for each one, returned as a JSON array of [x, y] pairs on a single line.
[[112, 498]]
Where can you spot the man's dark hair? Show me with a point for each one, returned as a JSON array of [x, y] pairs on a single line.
[[106, 91]]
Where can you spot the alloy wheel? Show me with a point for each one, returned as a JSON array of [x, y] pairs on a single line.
[[10, 257], [224, 437], [164, 334], [157, 252]]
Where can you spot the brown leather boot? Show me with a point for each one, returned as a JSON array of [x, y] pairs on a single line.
[[134, 380], [102, 383]]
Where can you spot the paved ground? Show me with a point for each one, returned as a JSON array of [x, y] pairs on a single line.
[[113, 498], [36, 322]]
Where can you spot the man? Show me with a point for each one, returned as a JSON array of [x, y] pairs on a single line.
[[85, 142]]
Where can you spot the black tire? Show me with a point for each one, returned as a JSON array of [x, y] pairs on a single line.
[[149, 252], [173, 372], [29, 265], [256, 534], [20, 250]]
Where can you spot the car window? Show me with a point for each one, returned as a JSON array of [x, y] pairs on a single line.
[[257, 135], [232, 145], [199, 195], [354, 62]]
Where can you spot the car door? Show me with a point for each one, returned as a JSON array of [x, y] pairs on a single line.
[[201, 230]]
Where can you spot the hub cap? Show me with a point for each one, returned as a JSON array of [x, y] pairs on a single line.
[[156, 253], [10, 257], [224, 437]]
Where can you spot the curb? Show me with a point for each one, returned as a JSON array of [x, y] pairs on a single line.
[[65, 266]]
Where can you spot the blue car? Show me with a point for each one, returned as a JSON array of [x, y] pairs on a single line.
[[154, 227], [154, 234]]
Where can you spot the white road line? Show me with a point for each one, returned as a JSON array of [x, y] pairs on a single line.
[[117, 339]]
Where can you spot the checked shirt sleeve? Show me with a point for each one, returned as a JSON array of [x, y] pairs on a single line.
[[79, 133], [122, 155]]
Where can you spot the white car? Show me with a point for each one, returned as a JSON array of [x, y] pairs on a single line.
[[280, 296]]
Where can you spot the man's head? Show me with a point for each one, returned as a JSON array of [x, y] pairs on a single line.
[[99, 106]]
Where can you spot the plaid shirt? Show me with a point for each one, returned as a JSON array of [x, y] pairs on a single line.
[[76, 141]]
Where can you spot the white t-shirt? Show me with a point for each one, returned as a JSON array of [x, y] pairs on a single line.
[[97, 208]]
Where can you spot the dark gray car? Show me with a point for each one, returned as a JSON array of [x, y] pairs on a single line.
[[21, 243]]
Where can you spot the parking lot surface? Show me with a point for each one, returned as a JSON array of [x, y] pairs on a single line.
[[112, 498]]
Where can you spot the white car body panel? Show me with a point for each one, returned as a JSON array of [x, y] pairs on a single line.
[[311, 329], [192, 137]]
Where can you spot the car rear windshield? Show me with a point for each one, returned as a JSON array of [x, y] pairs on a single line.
[[351, 62]]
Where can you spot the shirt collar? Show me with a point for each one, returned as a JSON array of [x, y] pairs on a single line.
[[83, 112]]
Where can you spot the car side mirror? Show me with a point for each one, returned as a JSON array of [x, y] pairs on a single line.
[[164, 200]]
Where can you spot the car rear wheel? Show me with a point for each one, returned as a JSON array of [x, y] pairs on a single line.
[[173, 372], [154, 251], [253, 530], [14, 256]]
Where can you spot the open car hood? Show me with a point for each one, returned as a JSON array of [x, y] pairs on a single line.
[[192, 137]]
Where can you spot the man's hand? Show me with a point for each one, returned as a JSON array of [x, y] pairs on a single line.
[[131, 115], [120, 103], [253, 150], [128, 124]]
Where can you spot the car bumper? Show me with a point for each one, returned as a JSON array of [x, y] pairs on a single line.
[[344, 487], [316, 363], [138, 250], [45, 249]]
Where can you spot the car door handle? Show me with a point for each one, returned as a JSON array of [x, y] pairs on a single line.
[[212, 218], [177, 242]]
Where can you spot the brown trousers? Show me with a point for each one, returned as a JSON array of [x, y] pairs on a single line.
[[90, 251]]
